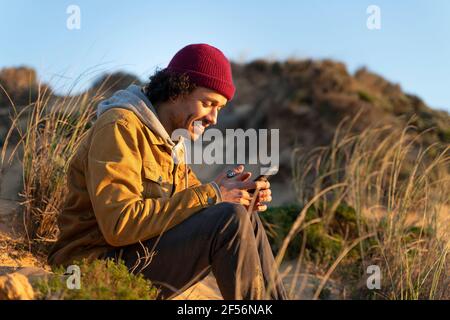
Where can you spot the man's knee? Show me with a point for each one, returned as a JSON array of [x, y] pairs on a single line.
[[234, 216], [232, 210]]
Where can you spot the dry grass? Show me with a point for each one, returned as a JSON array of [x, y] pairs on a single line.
[[398, 190], [49, 130]]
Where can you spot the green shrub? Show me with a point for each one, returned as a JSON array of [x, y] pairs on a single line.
[[322, 245], [280, 220], [444, 135], [100, 280], [322, 241], [364, 96]]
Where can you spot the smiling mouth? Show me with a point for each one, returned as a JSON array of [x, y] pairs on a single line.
[[198, 127]]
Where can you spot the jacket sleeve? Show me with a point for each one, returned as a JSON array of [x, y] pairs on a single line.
[[193, 180], [114, 183]]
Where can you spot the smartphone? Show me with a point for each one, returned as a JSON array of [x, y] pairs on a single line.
[[265, 177]]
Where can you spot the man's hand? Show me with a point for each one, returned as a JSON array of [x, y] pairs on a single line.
[[235, 189], [264, 196]]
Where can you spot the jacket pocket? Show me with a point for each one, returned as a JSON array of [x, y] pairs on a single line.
[[152, 181]]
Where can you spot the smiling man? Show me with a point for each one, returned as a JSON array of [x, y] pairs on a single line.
[[128, 196]]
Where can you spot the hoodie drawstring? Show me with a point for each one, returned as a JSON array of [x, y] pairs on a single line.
[[186, 175], [186, 180]]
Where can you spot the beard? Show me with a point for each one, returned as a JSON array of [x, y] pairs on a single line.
[[193, 125]]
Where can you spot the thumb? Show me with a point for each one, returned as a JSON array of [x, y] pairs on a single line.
[[244, 176]]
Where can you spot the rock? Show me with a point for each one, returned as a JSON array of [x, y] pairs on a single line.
[[15, 286], [22, 86], [107, 84]]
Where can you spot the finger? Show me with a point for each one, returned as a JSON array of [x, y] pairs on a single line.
[[223, 174], [238, 169], [249, 184], [265, 195], [261, 207], [262, 185], [244, 202], [243, 176], [244, 194], [254, 185]]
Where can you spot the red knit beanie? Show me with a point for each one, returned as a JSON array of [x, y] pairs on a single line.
[[206, 66]]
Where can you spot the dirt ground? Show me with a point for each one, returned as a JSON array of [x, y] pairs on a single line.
[[14, 253]]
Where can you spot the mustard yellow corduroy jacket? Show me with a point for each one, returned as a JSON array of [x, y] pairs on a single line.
[[123, 187]]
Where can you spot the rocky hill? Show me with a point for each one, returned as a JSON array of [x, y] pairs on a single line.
[[305, 99]]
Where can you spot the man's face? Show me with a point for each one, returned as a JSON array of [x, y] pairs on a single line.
[[197, 111]]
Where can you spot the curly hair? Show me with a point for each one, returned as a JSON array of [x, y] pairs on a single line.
[[168, 86]]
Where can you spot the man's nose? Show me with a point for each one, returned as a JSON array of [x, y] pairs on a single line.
[[212, 116]]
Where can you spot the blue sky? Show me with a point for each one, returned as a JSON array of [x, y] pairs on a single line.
[[412, 47]]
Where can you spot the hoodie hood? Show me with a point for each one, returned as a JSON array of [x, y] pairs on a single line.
[[133, 99]]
